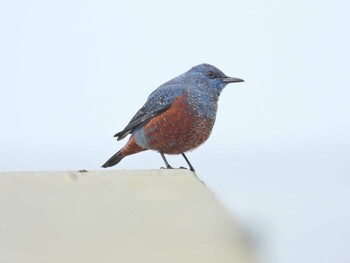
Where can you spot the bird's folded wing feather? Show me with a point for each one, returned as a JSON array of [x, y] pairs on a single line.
[[159, 101]]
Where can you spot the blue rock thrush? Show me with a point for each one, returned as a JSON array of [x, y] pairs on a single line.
[[177, 117]]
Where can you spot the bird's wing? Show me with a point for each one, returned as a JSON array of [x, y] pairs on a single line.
[[159, 101]]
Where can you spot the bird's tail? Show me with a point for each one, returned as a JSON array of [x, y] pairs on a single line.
[[130, 148], [114, 159]]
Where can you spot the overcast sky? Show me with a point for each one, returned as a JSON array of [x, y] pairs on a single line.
[[73, 73]]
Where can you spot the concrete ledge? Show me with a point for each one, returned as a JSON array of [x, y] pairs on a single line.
[[115, 216]]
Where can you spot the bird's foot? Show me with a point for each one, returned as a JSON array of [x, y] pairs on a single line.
[[168, 167], [191, 169]]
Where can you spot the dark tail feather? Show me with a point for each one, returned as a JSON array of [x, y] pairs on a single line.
[[113, 160]]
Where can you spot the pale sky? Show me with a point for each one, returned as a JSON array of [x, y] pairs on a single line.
[[75, 72]]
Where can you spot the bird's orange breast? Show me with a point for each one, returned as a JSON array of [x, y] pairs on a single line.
[[179, 129]]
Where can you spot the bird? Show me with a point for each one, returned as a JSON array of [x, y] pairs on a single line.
[[177, 117]]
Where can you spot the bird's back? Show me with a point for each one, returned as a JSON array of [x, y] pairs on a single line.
[[157, 102]]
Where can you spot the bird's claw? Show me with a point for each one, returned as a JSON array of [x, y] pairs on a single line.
[[168, 167]]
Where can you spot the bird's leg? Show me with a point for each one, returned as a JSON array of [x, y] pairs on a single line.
[[168, 166], [188, 162]]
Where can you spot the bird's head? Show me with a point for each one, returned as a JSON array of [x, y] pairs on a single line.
[[210, 76]]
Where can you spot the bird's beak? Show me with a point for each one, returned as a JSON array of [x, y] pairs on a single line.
[[231, 80]]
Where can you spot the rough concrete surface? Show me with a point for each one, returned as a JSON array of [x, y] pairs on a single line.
[[115, 216]]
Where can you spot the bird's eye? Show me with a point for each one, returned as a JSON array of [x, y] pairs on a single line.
[[210, 74]]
